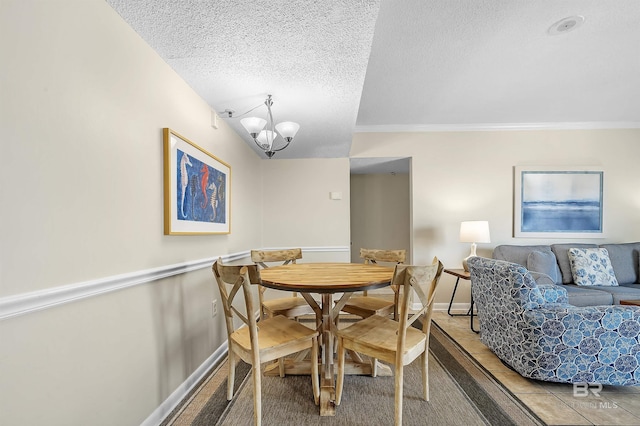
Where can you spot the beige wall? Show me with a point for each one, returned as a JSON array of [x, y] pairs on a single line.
[[83, 104], [82, 107], [460, 176], [298, 210], [380, 213], [84, 101]]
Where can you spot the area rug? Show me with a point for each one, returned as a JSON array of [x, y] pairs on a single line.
[[460, 393]]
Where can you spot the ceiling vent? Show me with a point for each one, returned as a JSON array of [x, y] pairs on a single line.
[[566, 25]]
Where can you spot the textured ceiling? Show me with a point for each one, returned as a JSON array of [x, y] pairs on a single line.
[[429, 64], [310, 55], [488, 63]]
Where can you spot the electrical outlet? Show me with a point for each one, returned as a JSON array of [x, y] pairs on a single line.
[[214, 308]]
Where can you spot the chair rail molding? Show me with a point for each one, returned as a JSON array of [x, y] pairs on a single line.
[[25, 303]]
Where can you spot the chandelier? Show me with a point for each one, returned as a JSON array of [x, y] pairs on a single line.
[[265, 132]]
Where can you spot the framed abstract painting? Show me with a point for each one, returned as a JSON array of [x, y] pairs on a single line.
[[196, 189], [558, 202]]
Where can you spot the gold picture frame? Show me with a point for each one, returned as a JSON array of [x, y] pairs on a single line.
[[196, 189]]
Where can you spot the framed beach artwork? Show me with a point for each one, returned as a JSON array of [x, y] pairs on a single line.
[[196, 189], [558, 202]]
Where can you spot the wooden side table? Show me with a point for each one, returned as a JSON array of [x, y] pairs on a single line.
[[465, 275]]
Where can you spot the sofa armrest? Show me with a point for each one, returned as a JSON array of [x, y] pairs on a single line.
[[541, 278], [561, 318], [593, 344], [553, 293]]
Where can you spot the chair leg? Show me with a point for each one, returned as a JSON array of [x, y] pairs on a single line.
[[374, 367], [281, 366], [425, 375], [257, 394], [315, 381], [232, 374], [399, 389], [340, 382], [336, 322]]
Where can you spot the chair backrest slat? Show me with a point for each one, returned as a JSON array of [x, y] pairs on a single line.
[[231, 279], [391, 256], [284, 257], [376, 255], [424, 281]]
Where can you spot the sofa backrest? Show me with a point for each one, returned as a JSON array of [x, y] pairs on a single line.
[[625, 261], [562, 255], [506, 286], [522, 255]]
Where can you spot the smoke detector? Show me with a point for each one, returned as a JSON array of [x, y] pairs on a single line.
[[566, 25]]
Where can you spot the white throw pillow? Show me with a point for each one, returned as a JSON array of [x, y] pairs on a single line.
[[591, 266]]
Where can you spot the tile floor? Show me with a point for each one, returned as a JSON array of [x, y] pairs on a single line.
[[554, 403]]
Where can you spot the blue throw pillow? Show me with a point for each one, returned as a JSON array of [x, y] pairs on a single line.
[[543, 262], [592, 266]]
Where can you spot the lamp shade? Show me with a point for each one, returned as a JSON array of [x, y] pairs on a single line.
[[475, 231], [265, 139], [253, 125], [287, 129]]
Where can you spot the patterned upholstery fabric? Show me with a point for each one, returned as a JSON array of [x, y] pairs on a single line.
[[532, 329], [591, 267], [552, 293]]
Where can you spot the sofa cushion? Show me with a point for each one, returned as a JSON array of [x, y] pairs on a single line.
[[544, 262], [561, 252], [591, 266], [624, 259], [587, 296], [626, 292], [516, 254]]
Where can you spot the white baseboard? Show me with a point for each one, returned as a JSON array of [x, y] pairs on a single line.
[[458, 308], [183, 390], [160, 413]]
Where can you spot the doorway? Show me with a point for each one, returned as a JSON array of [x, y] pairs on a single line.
[[380, 205]]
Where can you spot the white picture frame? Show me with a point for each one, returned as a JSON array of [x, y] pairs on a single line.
[[558, 202]]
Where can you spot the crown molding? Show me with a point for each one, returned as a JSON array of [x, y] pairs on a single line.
[[488, 127]]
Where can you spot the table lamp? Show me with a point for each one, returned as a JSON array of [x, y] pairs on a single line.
[[475, 231]]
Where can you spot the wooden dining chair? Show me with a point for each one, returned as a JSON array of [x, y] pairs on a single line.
[[396, 342], [256, 343], [290, 306], [364, 306]]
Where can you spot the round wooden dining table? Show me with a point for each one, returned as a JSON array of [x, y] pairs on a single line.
[[327, 279]]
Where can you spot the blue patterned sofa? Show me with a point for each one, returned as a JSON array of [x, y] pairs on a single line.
[[533, 329]]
